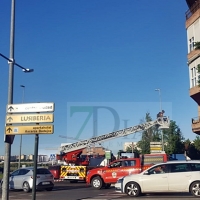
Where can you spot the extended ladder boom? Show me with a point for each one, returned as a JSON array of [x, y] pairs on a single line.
[[162, 122]]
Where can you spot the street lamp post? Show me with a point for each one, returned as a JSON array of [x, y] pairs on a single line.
[[160, 100], [20, 145], [8, 139]]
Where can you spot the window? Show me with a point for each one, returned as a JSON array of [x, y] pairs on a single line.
[[15, 173], [195, 167], [191, 44], [194, 76], [116, 164], [182, 167], [129, 163], [23, 171], [43, 171], [159, 169]]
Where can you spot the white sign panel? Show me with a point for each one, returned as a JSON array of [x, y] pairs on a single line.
[[30, 107]]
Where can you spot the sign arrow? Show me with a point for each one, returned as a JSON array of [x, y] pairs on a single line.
[[9, 129], [9, 119], [10, 108]]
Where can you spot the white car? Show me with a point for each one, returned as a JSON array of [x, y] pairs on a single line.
[[23, 179], [172, 176]]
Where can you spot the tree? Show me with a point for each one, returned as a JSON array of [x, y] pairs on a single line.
[[197, 143], [193, 148], [149, 135], [173, 139]]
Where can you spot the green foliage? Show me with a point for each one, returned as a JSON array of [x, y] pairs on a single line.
[[198, 70], [197, 143], [192, 149], [197, 45], [173, 139], [187, 144], [149, 135]]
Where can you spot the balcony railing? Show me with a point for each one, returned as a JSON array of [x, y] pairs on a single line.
[[196, 125], [192, 10], [195, 120]]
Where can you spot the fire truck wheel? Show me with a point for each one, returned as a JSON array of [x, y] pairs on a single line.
[[97, 182], [107, 185], [132, 189]]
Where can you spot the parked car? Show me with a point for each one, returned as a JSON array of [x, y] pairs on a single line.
[[171, 176], [23, 179]]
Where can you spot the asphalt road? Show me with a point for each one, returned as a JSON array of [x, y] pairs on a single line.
[[80, 191]]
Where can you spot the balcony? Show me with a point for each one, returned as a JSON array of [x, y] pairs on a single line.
[[194, 54], [192, 14], [193, 8], [196, 125], [195, 94]]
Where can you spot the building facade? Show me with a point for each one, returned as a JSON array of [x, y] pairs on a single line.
[[193, 56]]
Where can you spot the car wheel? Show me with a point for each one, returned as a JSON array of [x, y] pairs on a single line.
[[107, 185], [97, 182], [49, 189], [132, 189], [26, 187], [195, 189]]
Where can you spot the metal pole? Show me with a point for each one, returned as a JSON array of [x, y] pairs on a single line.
[[161, 129], [20, 145], [9, 139], [160, 100], [35, 167], [162, 140]]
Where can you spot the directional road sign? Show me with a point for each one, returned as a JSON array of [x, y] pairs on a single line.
[[27, 130], [52, 157], [29, 118], [30, 107]]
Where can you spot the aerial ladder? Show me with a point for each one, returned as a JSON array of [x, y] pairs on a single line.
[[70, 153]]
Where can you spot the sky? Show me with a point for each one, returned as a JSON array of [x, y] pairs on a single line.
[[107, 55]]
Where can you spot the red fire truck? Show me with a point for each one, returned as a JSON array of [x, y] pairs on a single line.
[[76, 168], [105, 176]]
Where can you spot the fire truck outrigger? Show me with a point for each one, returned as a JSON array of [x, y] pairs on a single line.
[[76, 168]]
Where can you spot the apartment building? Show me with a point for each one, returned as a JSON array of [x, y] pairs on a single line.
[[193, 56]]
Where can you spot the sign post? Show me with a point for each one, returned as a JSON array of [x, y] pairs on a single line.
[[29, 118], [36, 123], [52, 157], [108, 156], [28, 130], [30, 107], [35, 167]]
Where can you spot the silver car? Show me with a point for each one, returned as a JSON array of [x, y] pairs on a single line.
[[23, 179]]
